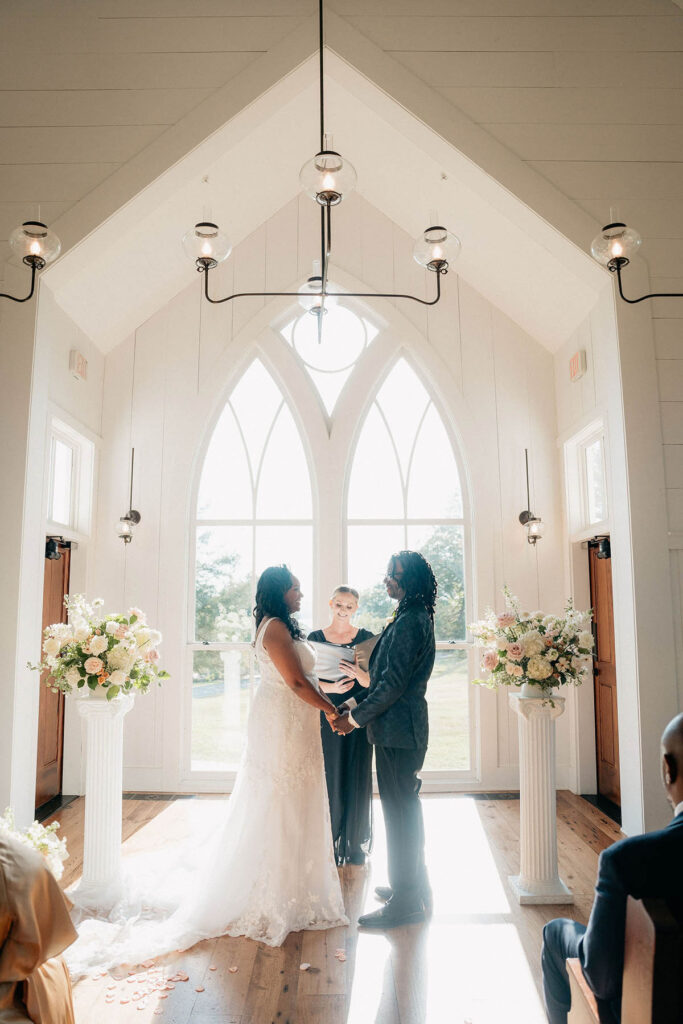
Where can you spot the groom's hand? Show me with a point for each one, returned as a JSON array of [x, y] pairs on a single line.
[[342, 725]]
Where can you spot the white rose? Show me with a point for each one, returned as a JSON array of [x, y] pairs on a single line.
[[52, 646], [142, 636], [120, 657], [117, 678], [73, 676], [552, 654], [94, 666], [81, 633], [539, 668], [532, 643], [155, 637], [513, 670], [586, 640], [98, 644], [111, 626]]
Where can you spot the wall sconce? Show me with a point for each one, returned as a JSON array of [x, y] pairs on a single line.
[[534, 524], [132, 516], [52, 548], [36, 245], [614, 247]]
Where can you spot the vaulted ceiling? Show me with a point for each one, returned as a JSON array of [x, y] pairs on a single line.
[[104, 95]]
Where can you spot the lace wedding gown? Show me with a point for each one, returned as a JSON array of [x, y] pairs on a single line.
[[269, 868]]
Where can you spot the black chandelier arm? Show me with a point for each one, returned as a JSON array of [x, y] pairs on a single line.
[[336, 295], [653, 295], [322, 88], [6, 295]]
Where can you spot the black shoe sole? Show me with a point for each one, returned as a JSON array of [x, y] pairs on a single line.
[[417, 917]]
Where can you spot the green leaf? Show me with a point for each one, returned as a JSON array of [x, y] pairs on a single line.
[[92, 682], [112, 691], [133, 619], [80, 683]]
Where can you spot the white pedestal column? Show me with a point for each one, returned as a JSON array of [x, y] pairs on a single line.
[[100, 885], [538, 880]]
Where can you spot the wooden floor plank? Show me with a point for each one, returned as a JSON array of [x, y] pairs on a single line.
[[413, 975]]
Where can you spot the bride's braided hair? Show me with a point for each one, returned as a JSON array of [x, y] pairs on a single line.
[[271, 588], [418, 581]]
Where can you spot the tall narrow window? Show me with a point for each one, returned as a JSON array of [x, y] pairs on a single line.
[[404, 492], [254, 509]]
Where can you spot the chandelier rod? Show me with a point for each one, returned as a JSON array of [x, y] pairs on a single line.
[[655, 295], [34, 267], [354, 295], [322, 87]]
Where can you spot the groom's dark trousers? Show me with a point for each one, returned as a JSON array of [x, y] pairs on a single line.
[[395, 713]]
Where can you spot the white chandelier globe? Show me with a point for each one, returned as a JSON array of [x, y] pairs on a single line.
[[309, 297], [124, 529], [615, 241], [205, 241], [328, 177], [436, 248], [35, 240]]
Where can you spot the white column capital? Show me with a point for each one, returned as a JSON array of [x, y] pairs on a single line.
[[528, 707], [94, 707]]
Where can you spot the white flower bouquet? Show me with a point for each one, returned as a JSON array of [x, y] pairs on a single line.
[[529, 647], [42, 838], [116, 652]]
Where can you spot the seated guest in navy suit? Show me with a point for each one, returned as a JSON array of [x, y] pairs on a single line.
[[650, 865]]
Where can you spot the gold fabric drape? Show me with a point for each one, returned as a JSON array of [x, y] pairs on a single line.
[[35, 928]]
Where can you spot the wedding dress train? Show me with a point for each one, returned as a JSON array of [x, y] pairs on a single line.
[[268, 870]]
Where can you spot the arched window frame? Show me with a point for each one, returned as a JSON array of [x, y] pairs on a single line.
[[330, 442]]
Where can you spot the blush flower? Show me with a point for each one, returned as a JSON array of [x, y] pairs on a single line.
[[505, 620], [515, 651], [489, 661], [93, 666]]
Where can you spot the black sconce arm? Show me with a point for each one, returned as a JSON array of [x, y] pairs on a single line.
[[34, 269], [615, 266]]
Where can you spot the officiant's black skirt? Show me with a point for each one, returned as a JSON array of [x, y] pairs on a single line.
[[348, 770]]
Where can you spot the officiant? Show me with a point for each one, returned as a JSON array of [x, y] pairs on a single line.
[[348, 759]]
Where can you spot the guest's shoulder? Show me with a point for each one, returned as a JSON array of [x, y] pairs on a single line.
[[642, 853], [362, 635], [317, 636]]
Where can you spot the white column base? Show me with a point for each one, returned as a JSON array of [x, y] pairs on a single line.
[[553, 892], [101, 885]]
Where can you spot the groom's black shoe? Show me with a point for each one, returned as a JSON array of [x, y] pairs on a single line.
[[384, 893], [392, 917]]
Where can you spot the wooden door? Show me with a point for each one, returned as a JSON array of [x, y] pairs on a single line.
[[606, 724], [51, 713]]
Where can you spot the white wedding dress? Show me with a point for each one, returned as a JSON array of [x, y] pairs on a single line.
[[269, 867]]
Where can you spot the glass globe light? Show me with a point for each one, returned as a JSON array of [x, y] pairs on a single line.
[[327, 178], [34, 242], [436, 248], [534, 529], [205, 242], [312, 302], [124, 529], [615, 241]]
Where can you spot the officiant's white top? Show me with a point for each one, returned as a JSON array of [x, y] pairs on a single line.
[[269, 868]]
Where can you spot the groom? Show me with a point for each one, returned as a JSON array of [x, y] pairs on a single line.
[[394, 710]]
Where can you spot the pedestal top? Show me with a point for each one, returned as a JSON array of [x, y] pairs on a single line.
[[549, 707], [91, 707]]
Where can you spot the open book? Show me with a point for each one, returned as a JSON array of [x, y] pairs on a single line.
[[328, 656]]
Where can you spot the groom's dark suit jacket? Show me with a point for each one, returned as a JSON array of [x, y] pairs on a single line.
[[394, 708], [649, 865]]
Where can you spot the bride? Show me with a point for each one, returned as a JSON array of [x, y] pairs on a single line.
[[270, 868]]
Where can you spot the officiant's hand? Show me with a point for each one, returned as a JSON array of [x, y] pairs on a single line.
[[341, 686], [342, 725], [356, 672]]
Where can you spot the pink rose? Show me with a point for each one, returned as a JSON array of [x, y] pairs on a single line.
[[152, 655], [515, 651], [489, 661], [121, 632], [506, 619], [94, 666]]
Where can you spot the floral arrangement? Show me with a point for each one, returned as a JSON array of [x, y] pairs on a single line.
[[529, 647], [116, 652], [42, 838]]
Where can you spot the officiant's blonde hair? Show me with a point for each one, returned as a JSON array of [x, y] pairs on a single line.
[[344, 588]]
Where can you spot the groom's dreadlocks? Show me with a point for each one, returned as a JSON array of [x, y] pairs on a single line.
[[418, 580]]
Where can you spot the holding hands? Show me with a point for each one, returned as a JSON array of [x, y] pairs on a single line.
[[339, 722]]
